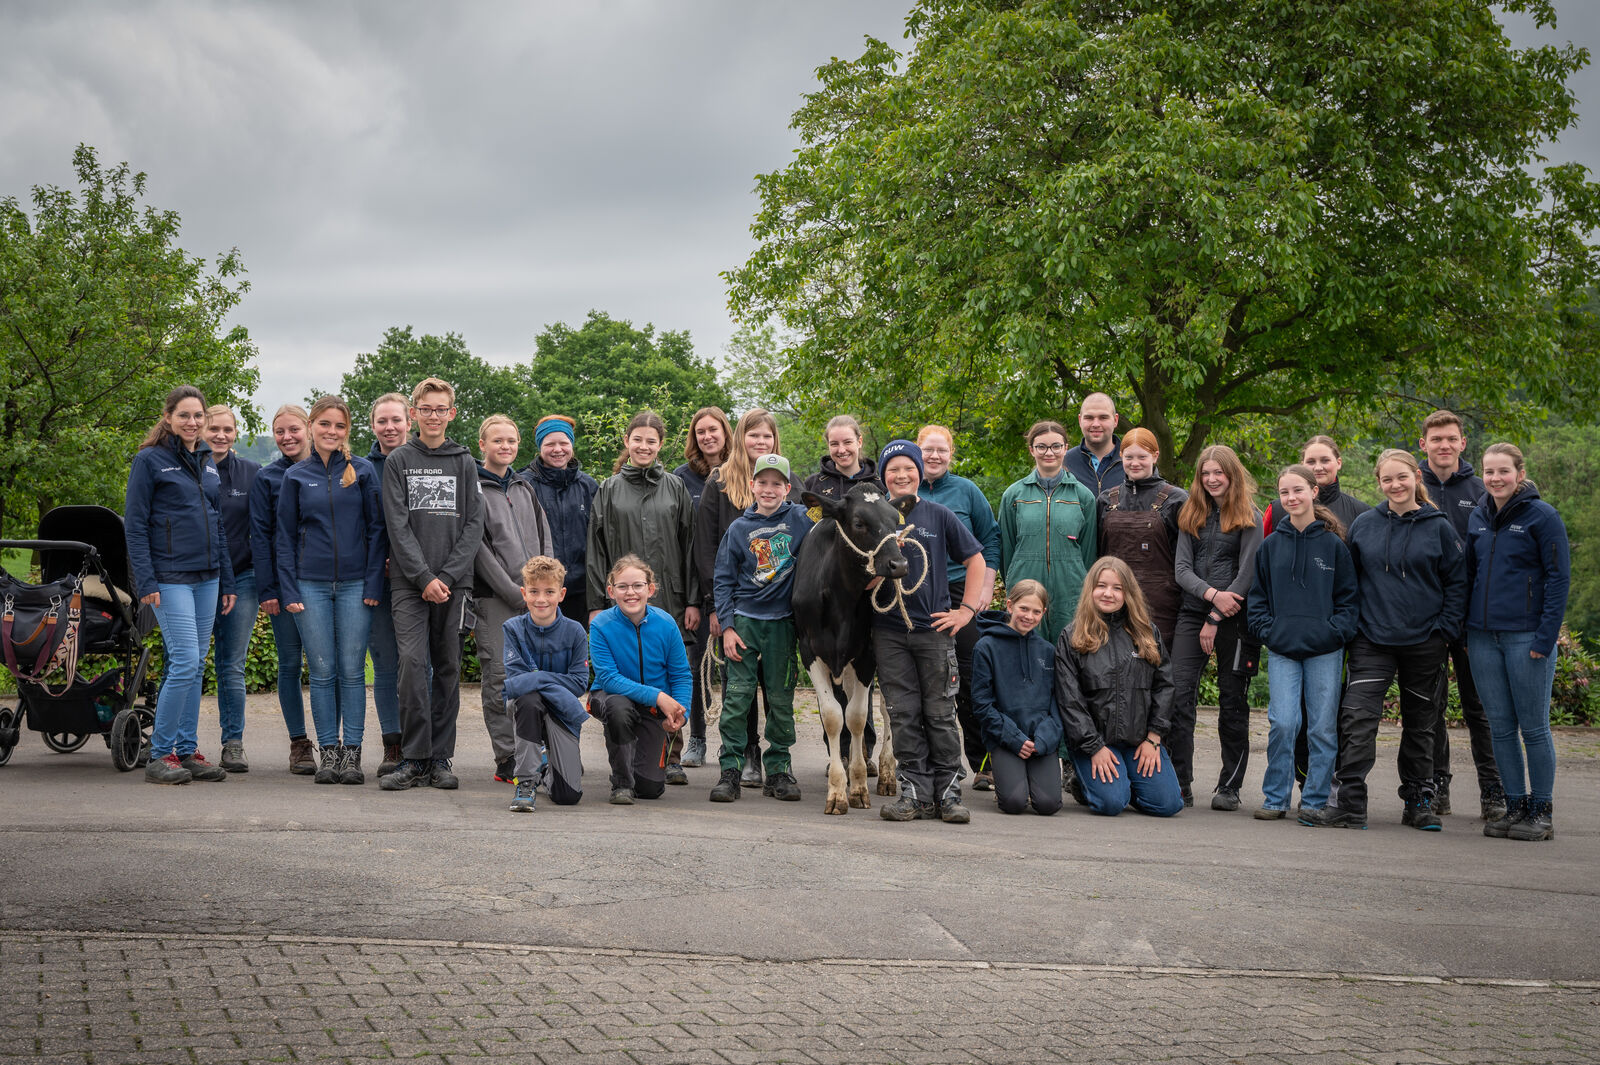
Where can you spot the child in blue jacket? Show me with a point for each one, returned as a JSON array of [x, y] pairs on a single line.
[[546, 657], [1013, 702], [642, 680]]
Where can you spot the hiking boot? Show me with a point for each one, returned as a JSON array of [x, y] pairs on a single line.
[[200, 769], [751, 777], [233, 759], [1500, 827], [302, 757], [1492, 802], [439, 775], [1226, 799], [903, 808], [983, 781], [675, 774], [621, 796], [953, 813], [328, 772], [1270, 813], [1537, 822], [408, 774], [350, 766], [505, 770], [1441, 796], [167, 770], [1332, 817], [1188, 797], [391, 758], [694, 753], [1420, 814], [727, 787], [522, 800], [782, 786]]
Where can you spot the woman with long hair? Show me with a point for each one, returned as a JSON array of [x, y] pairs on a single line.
[[1114, 689], [178, 555], [1138, 522], [1518, 558], [1219, 530], [1047, 526], [704, 450], [232, 633], [330, 555]]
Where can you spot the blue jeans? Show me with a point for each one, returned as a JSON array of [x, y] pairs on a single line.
[[186, 615], [286, 635], [1157, 794], [232, 645], [385, 665], [1315, 682], [333, 627], [1515, 689]]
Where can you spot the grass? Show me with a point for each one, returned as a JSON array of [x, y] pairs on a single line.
[[16, 562]]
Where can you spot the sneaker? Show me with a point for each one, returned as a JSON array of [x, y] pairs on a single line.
[[694, 753], [233, 759], [328, 772], [751, 777], [522, 800], [1270, 813], [727, 787], [782, 786], [904, 808], [1332, 817], [167, 770], [200, 769], [391, 759], [1188, 797], [1538, 822], [505, 770], [675, 774], [350, 766], [1500, 827], [1226, 799], [983, 781], [408, 774], [953, 813], [439, 775], [621, 796], [1419, 814], [302, 757], [1492, 802], [1441, 796]]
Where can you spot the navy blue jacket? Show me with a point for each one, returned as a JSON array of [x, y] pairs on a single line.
[[1413, 573], [172, 518], [566, 496], [756, 561], [328, 531], [264, 525], [1305, 601], [1080, 463], [553, 661], [1458, 496], [694, 482], [1013, 687], [238, 475], [1517, 557]]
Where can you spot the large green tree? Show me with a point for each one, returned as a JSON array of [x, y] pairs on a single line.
[[605, 371], [1223, 212], [101, 314]]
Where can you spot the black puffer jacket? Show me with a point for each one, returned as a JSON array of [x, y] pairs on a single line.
[[1112, 696]]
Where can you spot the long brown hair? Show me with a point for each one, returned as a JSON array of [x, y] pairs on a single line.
[[645, 419], [1089, 630], [161, 431], [1318, 511], [698, 460], [327, 403], [1238, 506], [734, 473]]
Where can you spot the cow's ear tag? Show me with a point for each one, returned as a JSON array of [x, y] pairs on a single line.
[[814, 513], [901, 517]]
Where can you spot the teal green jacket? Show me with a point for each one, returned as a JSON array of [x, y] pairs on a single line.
[[1049, 537]]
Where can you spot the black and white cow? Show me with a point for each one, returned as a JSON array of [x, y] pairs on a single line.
[[855, 542]]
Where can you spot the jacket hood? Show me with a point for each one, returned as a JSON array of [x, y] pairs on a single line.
[[1302, 558], [1394, 547], [376, 452], [752, 511], [651, 474], [1526, 493], [1464, 470], [546, 475], [868, 470], [485, 477], [448, 447]]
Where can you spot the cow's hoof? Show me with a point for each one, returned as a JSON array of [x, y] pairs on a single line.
[[859, 800], [835, 806], [887, 786]]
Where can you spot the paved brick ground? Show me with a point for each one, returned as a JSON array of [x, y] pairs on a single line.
[[105, 998]]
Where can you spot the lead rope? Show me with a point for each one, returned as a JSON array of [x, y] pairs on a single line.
[[900, 590], [710, 662]]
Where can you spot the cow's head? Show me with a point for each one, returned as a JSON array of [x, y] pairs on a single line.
[[870, 521]]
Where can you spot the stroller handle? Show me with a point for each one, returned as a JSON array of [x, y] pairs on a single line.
[[50, 545]]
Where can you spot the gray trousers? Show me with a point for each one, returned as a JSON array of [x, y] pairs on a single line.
[[427, 633], [494, 612], [535, 725], [636, 744], [917, 673], [1019, 781]]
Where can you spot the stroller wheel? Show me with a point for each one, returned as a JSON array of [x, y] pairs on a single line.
[[130, 744], [8, 733], [64, 742]]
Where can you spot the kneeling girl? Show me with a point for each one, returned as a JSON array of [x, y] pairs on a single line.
[[1017, 717]]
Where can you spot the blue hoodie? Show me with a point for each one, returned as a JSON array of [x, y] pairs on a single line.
[[1013, 687], [640, 661], [1305, 601], [172, 518], [552, 660], [1413, 574], [327, 530], [755, 563], [1518, 559]]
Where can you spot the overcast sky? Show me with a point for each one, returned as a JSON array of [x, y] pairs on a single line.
[[477, 167]]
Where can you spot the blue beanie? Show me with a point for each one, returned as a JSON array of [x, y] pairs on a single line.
[[553, 423], [901, 449]]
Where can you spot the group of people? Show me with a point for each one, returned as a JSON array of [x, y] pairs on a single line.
[[610, 600]]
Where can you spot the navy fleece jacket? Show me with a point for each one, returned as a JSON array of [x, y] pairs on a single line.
[[1305, 601], [1412, 568], [1520, 568], [328, 530], [1013, 687], [172, 518], [552, 660], [264, 525]]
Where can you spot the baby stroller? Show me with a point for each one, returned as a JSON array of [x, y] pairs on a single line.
[[83, 606]]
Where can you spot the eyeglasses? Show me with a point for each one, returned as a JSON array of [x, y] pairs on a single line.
[[629, 587], [433, 412], [1049, 449]]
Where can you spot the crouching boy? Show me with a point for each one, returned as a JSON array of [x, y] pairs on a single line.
[[546, 670], [754, 578]]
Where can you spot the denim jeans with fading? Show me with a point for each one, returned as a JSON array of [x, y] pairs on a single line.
[[232, 646], [1515, 689], [1314, 682], [333, 627], [186, 615]]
